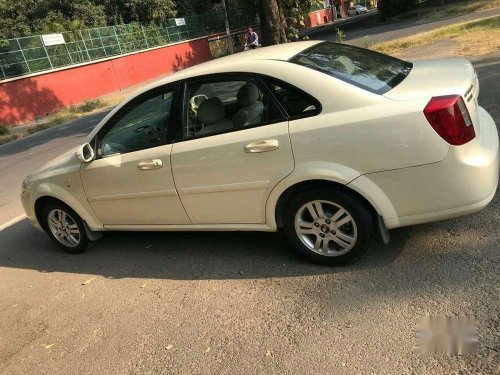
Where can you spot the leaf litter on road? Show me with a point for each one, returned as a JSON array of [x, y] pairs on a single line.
[[86, 282]]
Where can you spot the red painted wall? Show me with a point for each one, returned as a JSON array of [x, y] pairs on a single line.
[[318, 17], [30, 98]]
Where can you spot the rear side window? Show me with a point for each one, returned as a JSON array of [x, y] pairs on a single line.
[[369, 70], [296, 102]]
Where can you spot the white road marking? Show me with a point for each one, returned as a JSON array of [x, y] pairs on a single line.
[[12, 222]]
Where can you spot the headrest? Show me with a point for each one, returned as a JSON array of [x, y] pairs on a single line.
[[248, 94], [210, 111]]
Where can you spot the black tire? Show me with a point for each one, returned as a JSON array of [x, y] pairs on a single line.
[[82, 235], [357, 13], [361, 214]]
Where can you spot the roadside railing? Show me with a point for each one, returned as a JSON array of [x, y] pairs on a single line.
[[33, 54]]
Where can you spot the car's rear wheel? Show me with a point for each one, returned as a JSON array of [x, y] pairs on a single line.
[[328, 227], [65, 227], [357, 13]]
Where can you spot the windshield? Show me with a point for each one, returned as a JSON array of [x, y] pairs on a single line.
[[360, 67]]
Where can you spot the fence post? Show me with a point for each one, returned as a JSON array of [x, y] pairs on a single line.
[[24, 57], [3, 73], [69, 53], [102, 44], [144, 35], [117, 40], [158, 35], [168, 34], [84, 44], [46, 53]]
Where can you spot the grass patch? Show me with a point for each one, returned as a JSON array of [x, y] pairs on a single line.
[[8, 138], [469, 35], [87, 106], [6, 134], [56, 118], [451, 10]]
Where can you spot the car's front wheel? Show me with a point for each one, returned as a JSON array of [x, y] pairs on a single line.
[[64, 227], [328, 227]]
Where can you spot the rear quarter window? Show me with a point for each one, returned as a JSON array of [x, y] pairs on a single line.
[[369, 70]]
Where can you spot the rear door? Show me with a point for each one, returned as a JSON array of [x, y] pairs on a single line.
[[224, 169]]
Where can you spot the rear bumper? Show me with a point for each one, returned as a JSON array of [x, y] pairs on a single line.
[[463, 183]]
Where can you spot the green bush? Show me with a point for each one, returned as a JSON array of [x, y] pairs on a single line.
[[4, 129]]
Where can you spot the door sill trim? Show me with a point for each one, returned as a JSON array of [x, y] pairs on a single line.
[[192, 227]]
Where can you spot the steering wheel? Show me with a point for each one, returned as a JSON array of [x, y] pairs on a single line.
[[195, 102]]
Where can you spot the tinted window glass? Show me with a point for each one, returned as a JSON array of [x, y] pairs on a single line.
[[295, 101], [369, 70], [220, 106], [142, 125]]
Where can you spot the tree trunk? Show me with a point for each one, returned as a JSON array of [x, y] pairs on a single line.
[[272, 29]]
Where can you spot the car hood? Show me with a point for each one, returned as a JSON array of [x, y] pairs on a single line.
[[67, 162]]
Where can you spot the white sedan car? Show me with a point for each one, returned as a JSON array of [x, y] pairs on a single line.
[[357, 10], [328, 142]]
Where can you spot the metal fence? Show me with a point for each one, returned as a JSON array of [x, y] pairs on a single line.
[[22, 56]]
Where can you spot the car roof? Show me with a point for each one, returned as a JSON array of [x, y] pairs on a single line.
[[280, 52]]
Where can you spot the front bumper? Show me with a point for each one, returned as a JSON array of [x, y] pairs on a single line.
[[464, 182]]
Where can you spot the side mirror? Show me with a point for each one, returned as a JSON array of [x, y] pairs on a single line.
[[85, 153]]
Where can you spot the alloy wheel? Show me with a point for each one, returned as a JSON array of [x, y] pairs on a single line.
[[64, 228], [326, 228]]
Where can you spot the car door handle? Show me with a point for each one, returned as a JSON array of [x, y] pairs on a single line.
[[262, 146], [150, 164]]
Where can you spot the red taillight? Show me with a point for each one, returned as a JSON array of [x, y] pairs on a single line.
[[449, 117]]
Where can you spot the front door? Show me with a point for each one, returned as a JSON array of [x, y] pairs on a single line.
[[233, 150], [130, 182]]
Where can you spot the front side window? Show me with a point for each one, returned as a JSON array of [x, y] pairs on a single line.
[[369, 70], [217, 106], [141, 125]]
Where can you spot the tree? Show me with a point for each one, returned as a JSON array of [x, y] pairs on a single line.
[[272, 23], [20, 18], [281, 19]]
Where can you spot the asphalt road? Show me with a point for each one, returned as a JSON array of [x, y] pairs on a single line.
[[21, 157], [239, 303], [363, 30]]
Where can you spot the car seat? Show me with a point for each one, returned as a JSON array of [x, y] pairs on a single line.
[[251, 107], [211, 113]]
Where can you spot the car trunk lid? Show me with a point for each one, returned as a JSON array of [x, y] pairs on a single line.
[[431, 78]]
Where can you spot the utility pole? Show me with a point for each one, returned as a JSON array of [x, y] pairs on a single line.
[[228, 29]]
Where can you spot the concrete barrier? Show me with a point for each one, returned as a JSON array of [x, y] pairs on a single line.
[[31, 97]]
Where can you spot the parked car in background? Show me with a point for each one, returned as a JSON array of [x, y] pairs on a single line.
[[328, 142], [356, 10]]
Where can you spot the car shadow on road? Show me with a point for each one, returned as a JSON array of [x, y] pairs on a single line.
[[178, 255]]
